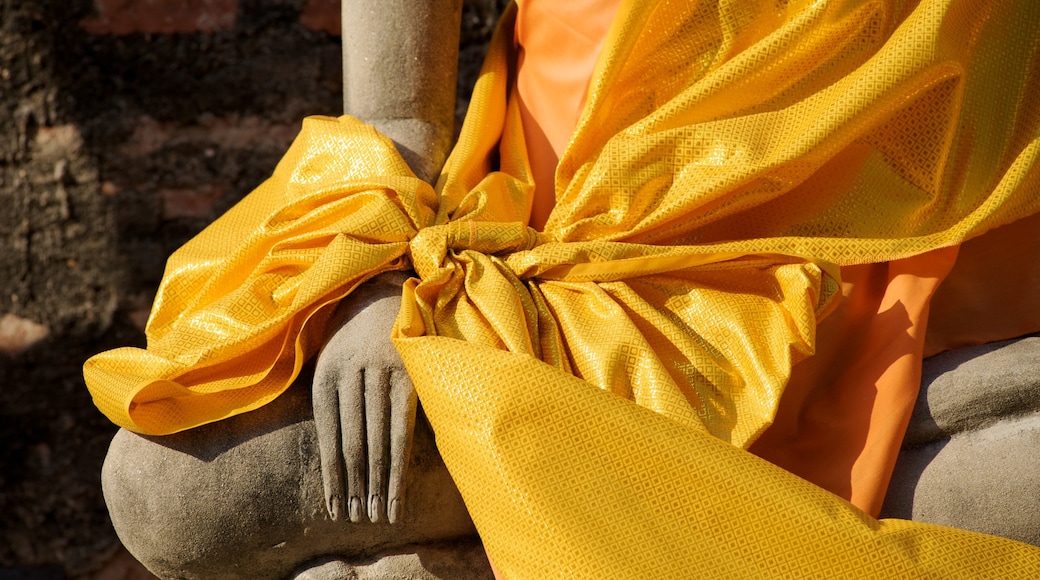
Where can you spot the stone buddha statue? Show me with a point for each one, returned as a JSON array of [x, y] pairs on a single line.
[[340, 476]]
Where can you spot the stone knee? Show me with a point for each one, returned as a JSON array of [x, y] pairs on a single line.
[[226, 500], [243, 497], [969, 458]]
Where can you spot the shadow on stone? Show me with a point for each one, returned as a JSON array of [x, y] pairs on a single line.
[[969, 458]]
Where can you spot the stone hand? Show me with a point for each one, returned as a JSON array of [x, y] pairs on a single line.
[[364, 405]]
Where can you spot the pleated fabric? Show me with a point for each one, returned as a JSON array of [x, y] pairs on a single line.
[[731, 157]]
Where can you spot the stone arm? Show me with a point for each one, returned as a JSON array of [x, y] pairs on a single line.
[[400, 63], [400, 59]]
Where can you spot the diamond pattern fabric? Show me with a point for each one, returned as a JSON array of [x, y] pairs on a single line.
[[566, 481]]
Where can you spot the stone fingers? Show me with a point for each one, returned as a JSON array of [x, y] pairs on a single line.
[[402, 426], [353, 419], [377, 422], [325, 404]]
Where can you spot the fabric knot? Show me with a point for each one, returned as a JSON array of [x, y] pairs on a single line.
[[430, 246]]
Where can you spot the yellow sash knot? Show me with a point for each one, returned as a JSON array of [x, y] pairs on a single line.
[[430, 247]]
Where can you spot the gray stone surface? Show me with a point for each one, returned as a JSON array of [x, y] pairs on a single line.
[[462, 560], [968, 388], [242, 498], [970, 455], [364, 405], [400, 62]]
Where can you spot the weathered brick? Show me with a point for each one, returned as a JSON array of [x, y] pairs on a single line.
[[195, 202], [110, 188], [232, 132], [322, 15], [57, 143], [122, 566], [18, 334], [121, 17], [139, 317]]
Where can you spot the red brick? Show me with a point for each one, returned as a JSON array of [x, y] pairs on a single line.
[[196, 202], [110, 188], [122, 17], [322, 15]]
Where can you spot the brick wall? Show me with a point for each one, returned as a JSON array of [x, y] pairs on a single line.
[[121, 17]]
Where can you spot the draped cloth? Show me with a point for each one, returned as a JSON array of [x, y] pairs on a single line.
[[594, 385]]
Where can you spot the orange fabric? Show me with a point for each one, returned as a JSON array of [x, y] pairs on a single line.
[[558, 46], [992, 292], [842, 418]]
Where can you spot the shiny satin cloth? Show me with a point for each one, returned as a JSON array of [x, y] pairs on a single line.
[[729, 158]]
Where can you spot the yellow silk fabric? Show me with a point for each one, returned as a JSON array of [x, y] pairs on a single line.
[[729, 156], [566, 481]]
